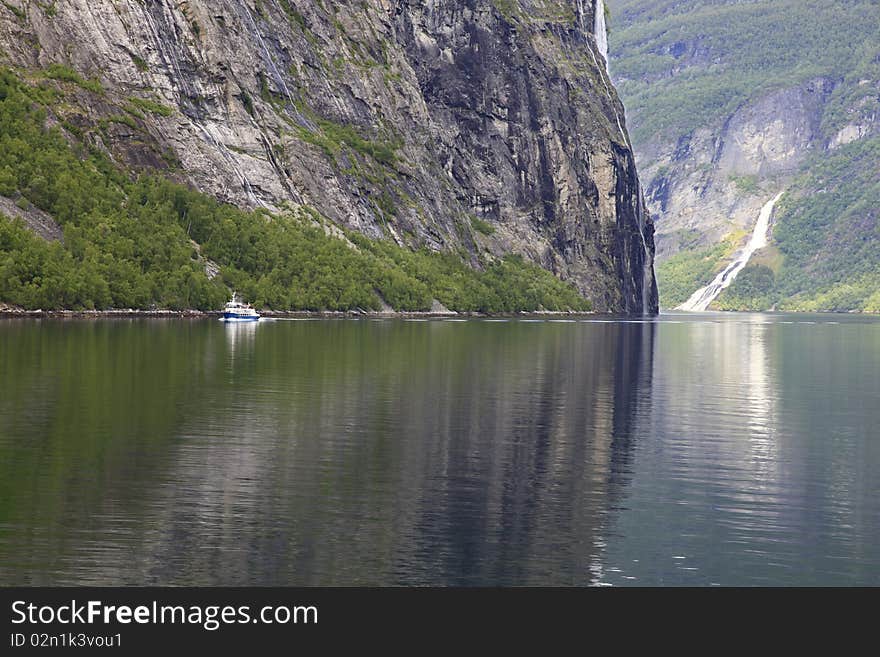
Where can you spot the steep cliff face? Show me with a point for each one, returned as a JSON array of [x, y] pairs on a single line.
[[479, 127]]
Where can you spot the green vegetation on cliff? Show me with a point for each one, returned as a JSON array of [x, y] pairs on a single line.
[[685, 65], [139, 241], [681, 275]]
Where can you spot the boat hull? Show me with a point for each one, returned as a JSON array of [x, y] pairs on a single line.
[[231, 317]]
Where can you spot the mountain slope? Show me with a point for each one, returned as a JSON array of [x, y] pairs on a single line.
[[127, 242], [478, 128], [731, 103]]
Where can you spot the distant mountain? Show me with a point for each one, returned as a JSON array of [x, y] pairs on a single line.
[[730, 102], [473, 153]]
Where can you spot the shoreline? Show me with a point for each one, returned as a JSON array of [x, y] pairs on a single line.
[[8, 313]]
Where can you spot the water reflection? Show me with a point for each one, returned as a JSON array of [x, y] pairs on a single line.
[[754, 419], [240, 336], [761, 400], [444, 452], [359, 452]]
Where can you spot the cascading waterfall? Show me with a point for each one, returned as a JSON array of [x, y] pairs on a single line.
[[168, 58], [703, 298], [599, 9], [600, 30], [273, 67], [581, 16], [647, 272], [230, 160], [279, 80]]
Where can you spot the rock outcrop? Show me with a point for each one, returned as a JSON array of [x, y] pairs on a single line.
[[714, 181], [481, 127], [34, 218]]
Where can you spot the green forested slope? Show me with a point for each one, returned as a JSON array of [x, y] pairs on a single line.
[[137, 241], [684, 64]]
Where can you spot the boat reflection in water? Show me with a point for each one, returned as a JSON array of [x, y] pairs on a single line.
[[240, 337]]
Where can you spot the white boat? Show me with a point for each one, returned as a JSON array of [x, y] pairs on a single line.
[[236, 311]]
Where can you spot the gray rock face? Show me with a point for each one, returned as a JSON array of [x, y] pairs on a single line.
[[417, 121], [34, 218], [697, 185]]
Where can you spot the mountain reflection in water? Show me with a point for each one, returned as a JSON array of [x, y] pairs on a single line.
[[679, 451]]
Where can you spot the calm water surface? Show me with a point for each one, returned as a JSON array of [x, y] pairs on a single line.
[[701, 449]]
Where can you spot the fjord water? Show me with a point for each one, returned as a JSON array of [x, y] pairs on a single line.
[[693, 449]]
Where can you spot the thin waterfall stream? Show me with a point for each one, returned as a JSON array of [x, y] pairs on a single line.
[[600, 30], [703, 298]]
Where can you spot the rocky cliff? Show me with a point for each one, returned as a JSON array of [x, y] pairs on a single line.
[[712, 182], [479, 127]]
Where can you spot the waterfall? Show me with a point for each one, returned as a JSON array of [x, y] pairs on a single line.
[[600, 30], [601, 37], [168, 57], [646, 270], [279, 79], [647, 264], [599, 68], [600, 34], [581, 19], [223, 150], [702, 298]]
